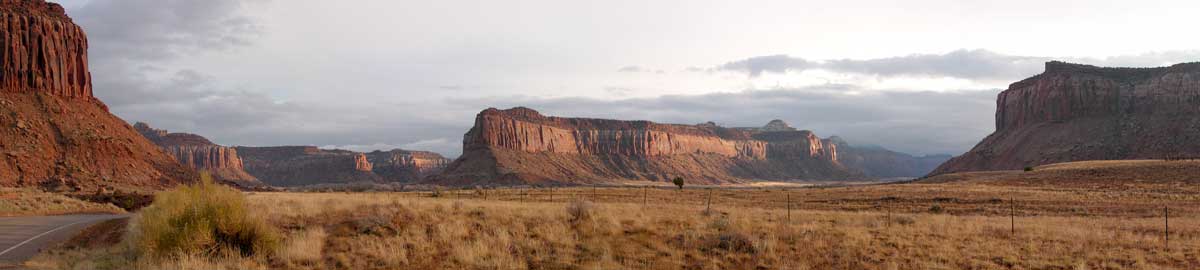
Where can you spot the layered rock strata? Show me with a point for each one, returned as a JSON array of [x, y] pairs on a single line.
[[199, 153], [1075, 112], [404, 166], [522, 146], [53, 132], [309, 165]]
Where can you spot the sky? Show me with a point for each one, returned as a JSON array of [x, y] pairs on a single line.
[[918, 76]]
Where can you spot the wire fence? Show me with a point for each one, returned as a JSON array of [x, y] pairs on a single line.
[[789, 200]]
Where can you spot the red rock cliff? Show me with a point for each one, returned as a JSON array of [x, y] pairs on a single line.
[[199, 153], [306, 165], [520, 145], [53, 133], [1076, 112], [406, 166], [45, 52]]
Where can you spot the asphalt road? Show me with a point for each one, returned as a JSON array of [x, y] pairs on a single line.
[[23, 237]]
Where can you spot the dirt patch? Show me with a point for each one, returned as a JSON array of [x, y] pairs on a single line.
[[100, 235]]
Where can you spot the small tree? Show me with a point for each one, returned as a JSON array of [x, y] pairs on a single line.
[[678, 182]]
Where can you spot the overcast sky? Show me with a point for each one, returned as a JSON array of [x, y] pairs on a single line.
[[914, 76]]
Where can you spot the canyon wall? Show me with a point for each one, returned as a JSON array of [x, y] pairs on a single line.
[[1075, 112], [197, 152], [522, 146], [53, 132], [309, 165], [404, 166]]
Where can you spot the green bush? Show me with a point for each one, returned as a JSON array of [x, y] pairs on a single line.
[[203, 219]]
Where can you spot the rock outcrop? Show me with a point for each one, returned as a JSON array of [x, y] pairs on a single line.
[[1075, 112], [522, 146], [199, 153], [309, 165], [305, 165], [404, 166], [53, 132], [880, 162]]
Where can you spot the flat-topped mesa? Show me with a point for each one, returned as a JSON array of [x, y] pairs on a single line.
[[403, 165], [1067, 91], [522, 146], [44, 51], [1075, 112]]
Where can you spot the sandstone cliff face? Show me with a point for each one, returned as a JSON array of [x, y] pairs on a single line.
[[53, 132], [405, 166], [309, 165], [44, 51], [521, 146], [305, 165], [1077, 112], [199, 153]]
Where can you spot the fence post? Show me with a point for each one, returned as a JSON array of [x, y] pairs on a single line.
[[889, 214], [551, 194], [1012, 215], [1166, 229], [708, 205], [645, 189], [789, 204], [594, 193]]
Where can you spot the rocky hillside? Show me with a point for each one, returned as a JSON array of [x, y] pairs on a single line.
[[309, 165], [53, 132], [1075, 112], [404, 165], [522, 146], [199, 153], [880, 162]]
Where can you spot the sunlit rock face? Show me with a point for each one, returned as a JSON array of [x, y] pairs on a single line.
[[53, 131], [199, 153], [1075, 112], [522, 146]]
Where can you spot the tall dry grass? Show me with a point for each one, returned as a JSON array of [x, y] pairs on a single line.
[[400, 231], [204, 219], [386, 231]]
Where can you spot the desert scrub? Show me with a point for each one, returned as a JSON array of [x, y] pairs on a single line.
[[203, 219]]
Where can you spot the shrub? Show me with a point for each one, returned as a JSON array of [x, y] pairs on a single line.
[[1028, 169], [936, 209], [579, 211], [678, 181], [203, 219]]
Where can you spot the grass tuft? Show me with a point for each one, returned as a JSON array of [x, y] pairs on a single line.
[[203, 219]]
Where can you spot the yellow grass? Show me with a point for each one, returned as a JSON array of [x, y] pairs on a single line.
[[32, 202], [859, 227], [399, 231]]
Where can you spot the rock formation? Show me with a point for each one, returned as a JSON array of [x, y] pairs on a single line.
[[521, 146], [305, 165], [199, 153], [880, 162], [309, 165], [404, 166], [53, 132], [1075, 112]]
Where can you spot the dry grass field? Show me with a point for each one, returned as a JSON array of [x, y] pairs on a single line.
[[31, 202], [961, 222]]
